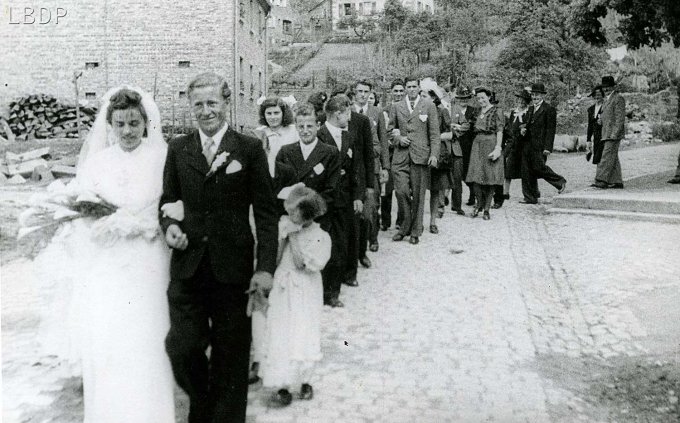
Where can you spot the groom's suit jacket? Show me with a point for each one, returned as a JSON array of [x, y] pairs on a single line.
[[216, 207], [347, 190]]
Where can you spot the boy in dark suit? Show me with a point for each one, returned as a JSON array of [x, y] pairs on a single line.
[[317, 165]]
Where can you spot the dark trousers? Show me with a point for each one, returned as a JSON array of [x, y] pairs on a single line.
[[677, 170], [457, 187], [533, 168], [370, 225], [341, 224], [386, 202], [609, 167], [205, 312]]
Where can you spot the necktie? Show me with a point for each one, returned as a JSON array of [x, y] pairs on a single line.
[[208, 152], [413, 104], [361, 110]]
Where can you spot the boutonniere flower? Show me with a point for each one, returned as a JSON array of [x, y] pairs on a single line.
[[220, 160]]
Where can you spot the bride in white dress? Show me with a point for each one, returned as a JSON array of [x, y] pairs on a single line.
[[119, 267]]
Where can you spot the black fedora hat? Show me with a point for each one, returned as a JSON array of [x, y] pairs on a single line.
[[463, 92], [538, 87], [608, 81], [523, 94]]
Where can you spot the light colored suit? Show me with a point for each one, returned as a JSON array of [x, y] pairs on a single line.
[[613, 131], [409, 164]]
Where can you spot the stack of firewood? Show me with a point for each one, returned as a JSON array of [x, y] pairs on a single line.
[[42, 116]]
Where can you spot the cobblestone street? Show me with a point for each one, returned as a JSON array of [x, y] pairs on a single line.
[[452, 330]]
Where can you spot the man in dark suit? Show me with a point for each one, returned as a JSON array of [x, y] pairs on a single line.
[[397, 92], [464, 112], [359, 127], [368, 235], [594, 132], [541, 130], [318, 165], [608, 174], [218, 174], [414, 124]]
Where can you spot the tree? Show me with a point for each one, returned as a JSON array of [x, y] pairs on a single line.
[[419, 34], [361, 25], [644, 22], [394, 16]]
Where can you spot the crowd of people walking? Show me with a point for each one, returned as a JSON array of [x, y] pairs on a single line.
[[317, 180]]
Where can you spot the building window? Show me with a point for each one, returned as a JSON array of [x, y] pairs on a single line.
[[287, 27], [182, 94], [345, 9], [91, 65], [184, 64], [259, 80], [241, 85], [242, 10], [90, 96], [252, 82]]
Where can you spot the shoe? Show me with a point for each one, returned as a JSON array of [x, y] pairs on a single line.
[[440, 214], [333, 302], [600, 185], [366, 262], [525, 201], [374, 247], [475, 212], [397, 237], [252, 375], [498, 205], [384, 227], [351, 282], [459, 212], [434, 229], [615, 186], [486, 215], [675, 180], [281, 398], [470, 202], [306, 392], [414, 240], [562, 188], [397, 226]]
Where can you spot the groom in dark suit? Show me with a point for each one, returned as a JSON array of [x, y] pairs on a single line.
[[218, 174]]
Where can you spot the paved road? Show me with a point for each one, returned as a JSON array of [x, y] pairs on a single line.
[[432, 335]]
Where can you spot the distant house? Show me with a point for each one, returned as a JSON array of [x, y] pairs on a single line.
[[155, 45], [334, 10], [284, 24]]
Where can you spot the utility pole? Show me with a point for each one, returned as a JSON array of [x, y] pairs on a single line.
[[77, 74]]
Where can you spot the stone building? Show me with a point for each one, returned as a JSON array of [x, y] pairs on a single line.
[[334, 10], [157, 45]]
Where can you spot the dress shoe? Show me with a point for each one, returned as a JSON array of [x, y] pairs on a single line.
[[600, 185], [281, 398], [459, 212], [397, 226], [674, 180], [475, 212], [384, 227], [366, 262], [414, 240], [470, 202], [306, 392], [397, 237], [374, 247], [497, 205], [486, 215], [440, 213], [525, 201], [615, 186], [434, 229], [334, 302], [562, 188], [351, 281]]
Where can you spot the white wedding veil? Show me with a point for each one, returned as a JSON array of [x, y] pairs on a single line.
[[99, 137]]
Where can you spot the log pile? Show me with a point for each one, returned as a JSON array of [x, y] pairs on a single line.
[[37, 165], [42, 116]]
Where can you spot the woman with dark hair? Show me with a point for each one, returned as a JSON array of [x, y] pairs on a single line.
[[594, 133], [373, 98], [514, 136], [441, 178], [485, 169], [119, 268], [318, 100], [277, 128]]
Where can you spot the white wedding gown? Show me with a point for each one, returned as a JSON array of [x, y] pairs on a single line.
[[119, 268]]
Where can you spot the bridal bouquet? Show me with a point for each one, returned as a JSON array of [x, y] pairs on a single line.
[[61, 204]]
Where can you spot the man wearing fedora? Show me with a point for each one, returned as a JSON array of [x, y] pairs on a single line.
[[541, 131], [464, 111], [608, 174]]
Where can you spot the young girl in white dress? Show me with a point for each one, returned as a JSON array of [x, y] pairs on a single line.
[[293, 337]]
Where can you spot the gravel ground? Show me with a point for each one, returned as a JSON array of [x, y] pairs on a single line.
[[529, 317]]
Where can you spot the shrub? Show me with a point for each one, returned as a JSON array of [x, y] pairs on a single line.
[[666, 131]]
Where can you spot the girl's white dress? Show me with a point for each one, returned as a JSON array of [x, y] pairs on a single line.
[[118, 268], [293, 335]]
